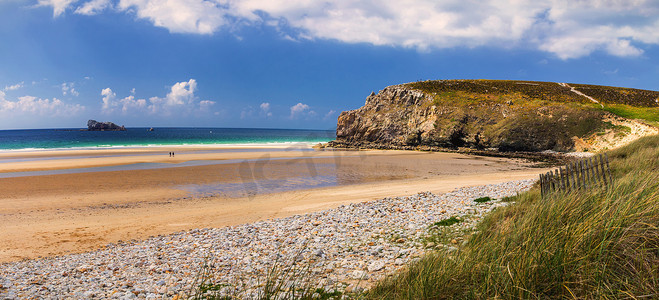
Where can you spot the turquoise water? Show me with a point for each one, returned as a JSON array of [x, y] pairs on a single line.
[[134, 137]]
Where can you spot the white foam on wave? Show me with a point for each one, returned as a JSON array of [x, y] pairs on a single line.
[[292, 144]]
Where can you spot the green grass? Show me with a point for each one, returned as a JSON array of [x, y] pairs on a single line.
[[649, 114], [594, 244], [448, 222], [483, 199]]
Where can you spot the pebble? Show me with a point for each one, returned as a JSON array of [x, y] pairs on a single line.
[[350, 246]]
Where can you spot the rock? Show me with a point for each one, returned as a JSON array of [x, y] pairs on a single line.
[[354, 288], [439, 115], [129, 295], [376, 266], [359, 274], [93, 125]]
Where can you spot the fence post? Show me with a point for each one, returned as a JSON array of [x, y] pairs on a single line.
[[589, 171], [575, 185], [593, 167], [577, 174], [563, 187], [601, 164], [567, 177], [584, 173], [542, 187], [608, 167], [551, 181]]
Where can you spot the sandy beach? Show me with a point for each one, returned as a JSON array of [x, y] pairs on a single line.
[[145, 192]]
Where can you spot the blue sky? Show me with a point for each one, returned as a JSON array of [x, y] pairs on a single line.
[[295, 64]]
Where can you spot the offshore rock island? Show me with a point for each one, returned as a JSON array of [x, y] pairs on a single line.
[[498, 115], [93, 125]]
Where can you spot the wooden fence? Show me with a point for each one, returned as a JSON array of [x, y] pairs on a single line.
[[581, 174]]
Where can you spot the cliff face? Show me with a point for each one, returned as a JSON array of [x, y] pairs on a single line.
[[480, 114], [389, 117], [93, 125]]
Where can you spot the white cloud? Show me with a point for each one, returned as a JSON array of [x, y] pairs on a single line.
[[568, 29], [31, 105], [15, 86], [108, 100], [128, 104], [68, 88], [182, 16], [247, 113], [265, 109], [92, 7], [301, 110], [179, 101], [329, 114], [59, 6], [205, 105]]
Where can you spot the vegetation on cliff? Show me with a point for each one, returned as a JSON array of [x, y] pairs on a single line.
[[593, 244], [501, 114]]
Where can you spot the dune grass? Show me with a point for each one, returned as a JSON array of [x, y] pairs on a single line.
[[598, 243]]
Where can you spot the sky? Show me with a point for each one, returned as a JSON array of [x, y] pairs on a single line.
[[296, 63]]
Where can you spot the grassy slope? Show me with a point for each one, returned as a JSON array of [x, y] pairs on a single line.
[[602, 243], [525, 115]]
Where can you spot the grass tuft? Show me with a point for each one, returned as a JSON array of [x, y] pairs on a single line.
[[447, 222], [483, 199]]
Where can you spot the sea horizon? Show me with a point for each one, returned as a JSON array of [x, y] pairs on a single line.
[[80, 139]]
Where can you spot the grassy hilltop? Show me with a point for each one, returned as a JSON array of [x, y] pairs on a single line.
[[502, 114]]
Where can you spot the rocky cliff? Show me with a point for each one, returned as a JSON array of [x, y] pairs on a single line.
[[487, 114], [93, 125]]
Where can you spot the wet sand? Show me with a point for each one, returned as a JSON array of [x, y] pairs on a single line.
[[65, 213]]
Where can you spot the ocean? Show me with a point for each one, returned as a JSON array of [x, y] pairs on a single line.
[[35, 139]]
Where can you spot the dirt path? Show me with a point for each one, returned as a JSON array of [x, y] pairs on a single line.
[[580, 93]]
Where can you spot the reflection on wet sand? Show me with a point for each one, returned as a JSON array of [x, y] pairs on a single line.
[[127, 198]]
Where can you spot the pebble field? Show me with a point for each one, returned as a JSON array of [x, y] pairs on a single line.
[[344, 249]]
